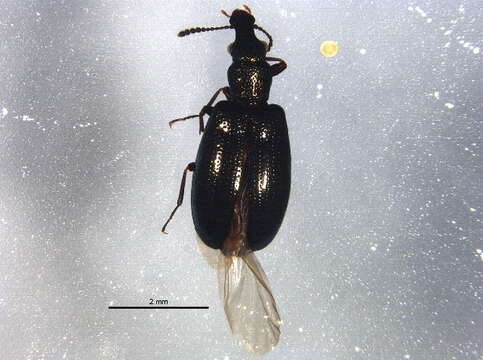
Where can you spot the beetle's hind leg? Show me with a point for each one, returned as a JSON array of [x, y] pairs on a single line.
[[190, 167], [205, 110]]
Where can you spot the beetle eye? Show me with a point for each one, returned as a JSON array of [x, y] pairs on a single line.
[[229, 48], [264, 44]]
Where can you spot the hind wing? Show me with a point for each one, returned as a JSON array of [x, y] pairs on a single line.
[[249, 305]]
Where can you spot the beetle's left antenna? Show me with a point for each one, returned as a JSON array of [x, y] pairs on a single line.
[[202, 29], [270, 41]]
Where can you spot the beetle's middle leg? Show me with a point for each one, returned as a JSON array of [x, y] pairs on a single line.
[[205, 110], [277, 68], [190, 167]]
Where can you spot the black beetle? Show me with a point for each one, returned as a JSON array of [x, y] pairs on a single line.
[[241, 181]]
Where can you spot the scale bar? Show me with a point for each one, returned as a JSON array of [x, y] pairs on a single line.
[[158, 307]]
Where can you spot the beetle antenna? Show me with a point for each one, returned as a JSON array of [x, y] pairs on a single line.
[[225, 13], [202, 29], [247, 9], [270, 41]]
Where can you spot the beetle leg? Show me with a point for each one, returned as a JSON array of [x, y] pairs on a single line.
[[208, 107], [278, 67], [182, 119], [190, 167], [205, 109], [226, 92]]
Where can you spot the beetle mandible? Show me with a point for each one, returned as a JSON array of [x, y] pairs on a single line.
[[241, 181]]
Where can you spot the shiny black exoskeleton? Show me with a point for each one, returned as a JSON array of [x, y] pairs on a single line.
[[241, 179]]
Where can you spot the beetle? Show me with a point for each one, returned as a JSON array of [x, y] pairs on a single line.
[[241, 180]]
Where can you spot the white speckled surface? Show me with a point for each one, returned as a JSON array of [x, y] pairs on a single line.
[[379, 255]]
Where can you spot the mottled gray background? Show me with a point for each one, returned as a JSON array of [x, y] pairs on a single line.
[[379, 255]]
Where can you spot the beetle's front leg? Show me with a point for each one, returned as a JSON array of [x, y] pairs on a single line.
[[205, 109], [277, 68]]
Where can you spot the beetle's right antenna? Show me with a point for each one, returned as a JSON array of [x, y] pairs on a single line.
[[202, 29]]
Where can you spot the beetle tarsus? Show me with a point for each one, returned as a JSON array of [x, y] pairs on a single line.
[[190, 167]]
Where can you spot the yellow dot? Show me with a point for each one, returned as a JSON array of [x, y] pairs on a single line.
[[329, 48]]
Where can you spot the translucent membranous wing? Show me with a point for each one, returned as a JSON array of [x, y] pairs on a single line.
[[211, 256], [249, 304]]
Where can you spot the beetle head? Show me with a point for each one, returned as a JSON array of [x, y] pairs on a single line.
[[246, 43], [241, 19]]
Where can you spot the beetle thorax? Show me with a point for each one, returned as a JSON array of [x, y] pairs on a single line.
[[250, 80]]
